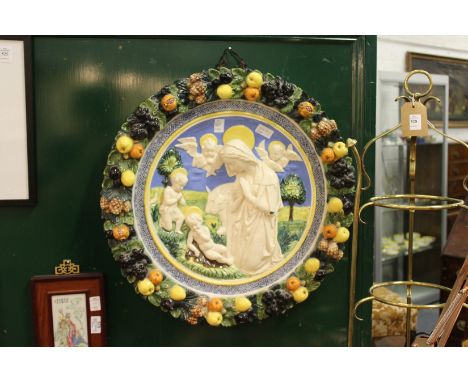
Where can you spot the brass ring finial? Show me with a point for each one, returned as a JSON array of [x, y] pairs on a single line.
[[417, 95]]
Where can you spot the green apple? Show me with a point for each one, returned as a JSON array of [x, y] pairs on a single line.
[[214, 318], [242, 304], [300, 294], [334, 205], [340, 149], [342, 235], [224, 91], [312, 265], [254, 79], [124, 144], [145, 287], [177, 293]]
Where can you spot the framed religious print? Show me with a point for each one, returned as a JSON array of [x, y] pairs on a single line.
[[457, 70], [228, 196], [17, 145], [69, 310]]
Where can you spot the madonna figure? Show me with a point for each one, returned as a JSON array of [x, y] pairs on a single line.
[[248, 209]]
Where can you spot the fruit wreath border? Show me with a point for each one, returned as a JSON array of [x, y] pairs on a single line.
[[151, 116]]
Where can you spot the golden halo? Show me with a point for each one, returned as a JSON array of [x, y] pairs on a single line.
[[208, 136], [179, 170], [240, 132], [272, 143], [192, 210]]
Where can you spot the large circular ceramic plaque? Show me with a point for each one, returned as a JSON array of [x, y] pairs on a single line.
[[218, 225], [223, 209]]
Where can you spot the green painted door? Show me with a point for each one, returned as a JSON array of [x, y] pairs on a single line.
[[83, 89]]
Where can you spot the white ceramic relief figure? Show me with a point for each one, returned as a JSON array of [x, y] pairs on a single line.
[[169, 211], [208, 159], [248, 209], [278, 156], [200, 234]]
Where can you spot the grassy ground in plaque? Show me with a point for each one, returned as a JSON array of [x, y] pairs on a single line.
[[289, 233]]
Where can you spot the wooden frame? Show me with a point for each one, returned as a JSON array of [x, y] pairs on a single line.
[[29, 115], [84, 293], [457, 70]]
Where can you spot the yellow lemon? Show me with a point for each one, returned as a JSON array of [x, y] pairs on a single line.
[[224, 91], [214, 318], [145, 287], [128, 178], [312, 265], [124, 144], [177, 293], [242, 304]]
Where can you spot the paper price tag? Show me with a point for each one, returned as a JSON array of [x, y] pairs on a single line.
[[414, 120]]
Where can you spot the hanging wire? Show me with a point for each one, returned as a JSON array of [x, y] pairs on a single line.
[[223, 60]]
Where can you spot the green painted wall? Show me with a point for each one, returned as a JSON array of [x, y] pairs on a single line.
[[83, 89]]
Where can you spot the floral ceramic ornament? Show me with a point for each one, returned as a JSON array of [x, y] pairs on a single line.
[[227, 197]]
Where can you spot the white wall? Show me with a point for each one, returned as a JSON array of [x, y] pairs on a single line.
[[391, 55]]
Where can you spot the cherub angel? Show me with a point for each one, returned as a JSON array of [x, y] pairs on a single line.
[[278, 156], [208, 159]]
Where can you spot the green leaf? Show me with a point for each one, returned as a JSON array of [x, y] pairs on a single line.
[[114, 158], [342, 191], [238, 72], [297, 93], [228, 321], [173, 89], [108, 225], [288, 107], [107, 183], [312, 285], [155, 299], [124, 127], [176, 313], [224, 70], [306, 125], [213, 74], [183, 108], [269, 77], [150, 105]]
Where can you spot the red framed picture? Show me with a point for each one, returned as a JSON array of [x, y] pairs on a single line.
[[69, 310]]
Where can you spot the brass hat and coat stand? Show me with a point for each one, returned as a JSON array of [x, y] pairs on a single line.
[[411, 203]]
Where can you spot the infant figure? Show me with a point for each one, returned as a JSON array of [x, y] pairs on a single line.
[[200, 234], [172, 197]]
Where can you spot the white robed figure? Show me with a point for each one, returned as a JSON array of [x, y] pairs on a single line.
[[248, 209]]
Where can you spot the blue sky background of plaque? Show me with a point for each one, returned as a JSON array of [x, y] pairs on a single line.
[[198, 180]]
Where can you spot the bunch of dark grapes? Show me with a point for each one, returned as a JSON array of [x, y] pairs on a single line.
[[168, 305], [246, 317], [341, 174], [348, 203], [277, 301], [277, 92], [115, 174], [142, 124], [224, 78], [183, 92], [134, 263]]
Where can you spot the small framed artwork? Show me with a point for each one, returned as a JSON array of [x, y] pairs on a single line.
[[457, 70], [17, 146], [69, 310]]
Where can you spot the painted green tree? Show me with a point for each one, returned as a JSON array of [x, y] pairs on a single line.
[[292, 192], [168, 163]]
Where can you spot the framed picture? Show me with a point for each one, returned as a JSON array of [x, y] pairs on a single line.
[[69, 310], [17, 146], [457, 70]]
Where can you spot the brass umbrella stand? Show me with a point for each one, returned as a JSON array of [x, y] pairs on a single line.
[[410, 202]]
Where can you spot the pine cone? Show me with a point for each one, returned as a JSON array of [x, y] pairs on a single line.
[[104, 203], [326, 127], [195, 77], [127, 206], [192, 320], [197, 311], [200, 99], [197, 88], [333, 251], [314, 134], [115, 206], [323, 245], [202, 301]]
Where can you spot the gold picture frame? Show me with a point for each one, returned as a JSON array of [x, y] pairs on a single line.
[[457, 70]]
